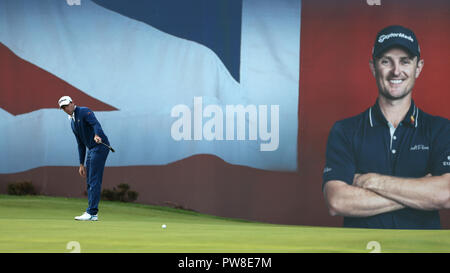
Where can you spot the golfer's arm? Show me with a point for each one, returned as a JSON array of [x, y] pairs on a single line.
[[426, 193], [81, 150], [92, 120], [346, 200]]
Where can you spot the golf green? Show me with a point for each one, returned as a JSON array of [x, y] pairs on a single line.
[[45, 224]]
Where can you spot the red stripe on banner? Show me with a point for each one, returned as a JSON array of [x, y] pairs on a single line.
[[25, 87]]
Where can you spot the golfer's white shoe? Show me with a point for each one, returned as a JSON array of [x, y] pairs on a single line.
[[86, 217]]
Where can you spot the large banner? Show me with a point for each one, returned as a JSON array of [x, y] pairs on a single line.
[[222, 106], [166, 79]]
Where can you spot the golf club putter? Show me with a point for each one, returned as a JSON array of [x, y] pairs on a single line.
[[110, 148]]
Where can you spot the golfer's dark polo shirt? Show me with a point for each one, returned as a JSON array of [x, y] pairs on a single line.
[[420, 145], [84, 126]]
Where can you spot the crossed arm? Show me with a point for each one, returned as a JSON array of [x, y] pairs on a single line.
[[372, 194]]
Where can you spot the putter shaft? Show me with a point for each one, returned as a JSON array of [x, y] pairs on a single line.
[[112, 150]]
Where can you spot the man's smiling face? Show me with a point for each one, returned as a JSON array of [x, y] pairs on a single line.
[[395, 72]]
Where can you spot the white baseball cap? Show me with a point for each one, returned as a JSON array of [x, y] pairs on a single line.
[[64, 100]]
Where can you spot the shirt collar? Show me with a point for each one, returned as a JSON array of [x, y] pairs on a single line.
[[72, 117], [376, 117]]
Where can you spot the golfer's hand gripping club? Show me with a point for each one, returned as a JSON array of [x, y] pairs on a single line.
[[98, 140]]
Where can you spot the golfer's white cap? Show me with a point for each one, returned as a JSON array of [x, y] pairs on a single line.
[[64, 100]]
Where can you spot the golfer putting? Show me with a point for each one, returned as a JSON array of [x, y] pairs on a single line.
[[88, 133]]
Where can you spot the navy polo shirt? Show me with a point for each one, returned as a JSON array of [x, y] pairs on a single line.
[[366, 143], [85, 126]]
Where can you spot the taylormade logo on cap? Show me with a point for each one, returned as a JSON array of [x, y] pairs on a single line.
[[396, 36], [382, 38]]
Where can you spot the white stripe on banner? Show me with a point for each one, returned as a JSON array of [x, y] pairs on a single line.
[[153, 78]]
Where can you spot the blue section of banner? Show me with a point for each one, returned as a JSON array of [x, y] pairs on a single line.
[[215, 24]]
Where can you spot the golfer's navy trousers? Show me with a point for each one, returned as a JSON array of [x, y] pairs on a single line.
[[95, 163]]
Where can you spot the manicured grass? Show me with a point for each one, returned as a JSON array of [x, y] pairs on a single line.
[[45, 224]]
